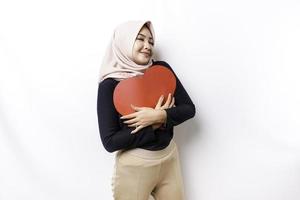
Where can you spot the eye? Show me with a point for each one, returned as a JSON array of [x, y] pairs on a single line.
[[141, 39]]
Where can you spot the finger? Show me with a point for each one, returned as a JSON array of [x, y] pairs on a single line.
[[133, 125], [136, 130], [166, 104], [131, 121], [160, 100], [168, 100], [135, 107], [129, 116], [172, 103]]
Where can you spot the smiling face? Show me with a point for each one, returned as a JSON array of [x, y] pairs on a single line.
[[143, 47]]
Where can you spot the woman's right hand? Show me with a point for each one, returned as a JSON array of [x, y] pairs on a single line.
[[168, 104]]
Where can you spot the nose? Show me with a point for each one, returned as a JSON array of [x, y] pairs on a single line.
[[147, 45]]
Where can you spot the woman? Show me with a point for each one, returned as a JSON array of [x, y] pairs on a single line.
[[147, 160]]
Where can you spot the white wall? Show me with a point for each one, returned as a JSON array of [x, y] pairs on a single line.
[[239, 61]]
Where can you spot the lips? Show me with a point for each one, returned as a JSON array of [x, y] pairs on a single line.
[[147, 54]]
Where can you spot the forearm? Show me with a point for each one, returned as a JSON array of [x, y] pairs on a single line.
[[122, 139], [113, 135], [179, 114]]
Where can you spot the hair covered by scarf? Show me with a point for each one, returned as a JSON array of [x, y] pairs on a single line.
[[118, 62]]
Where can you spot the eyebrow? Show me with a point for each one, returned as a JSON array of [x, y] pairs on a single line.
[[145, 36]]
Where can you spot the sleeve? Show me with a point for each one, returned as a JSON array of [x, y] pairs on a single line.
[[184, 107], [114, 137]]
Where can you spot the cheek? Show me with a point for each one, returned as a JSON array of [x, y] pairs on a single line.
[[135, 53], [135, 49]]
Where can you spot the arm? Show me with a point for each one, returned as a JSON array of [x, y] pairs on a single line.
[[185, 108], [114, 137]]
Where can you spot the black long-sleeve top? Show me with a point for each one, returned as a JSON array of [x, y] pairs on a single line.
[[115, 135]]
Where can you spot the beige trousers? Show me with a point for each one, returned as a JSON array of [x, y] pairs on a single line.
[[143, 175]]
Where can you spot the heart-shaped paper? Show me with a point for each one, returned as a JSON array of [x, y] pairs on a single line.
[[144, 90]]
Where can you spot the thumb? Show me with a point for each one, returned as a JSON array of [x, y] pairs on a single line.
[[135, 107]]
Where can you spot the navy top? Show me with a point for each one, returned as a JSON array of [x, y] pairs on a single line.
[[115, 135]]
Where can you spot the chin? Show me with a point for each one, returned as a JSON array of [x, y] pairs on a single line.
[[144, 61]]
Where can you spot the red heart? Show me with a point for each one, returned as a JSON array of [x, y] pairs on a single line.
[[144, 90]]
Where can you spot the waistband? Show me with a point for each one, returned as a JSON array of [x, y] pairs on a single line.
[[148, 154]]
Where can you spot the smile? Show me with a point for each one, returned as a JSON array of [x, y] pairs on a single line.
[[146, 54]]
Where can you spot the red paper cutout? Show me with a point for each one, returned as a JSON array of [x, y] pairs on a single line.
[[144, 90]]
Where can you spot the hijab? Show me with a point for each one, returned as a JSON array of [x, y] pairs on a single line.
[[118, 62]]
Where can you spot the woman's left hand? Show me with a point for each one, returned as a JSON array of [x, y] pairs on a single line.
[[144, 116]]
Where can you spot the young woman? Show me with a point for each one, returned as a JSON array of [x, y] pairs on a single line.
[[147, 160]]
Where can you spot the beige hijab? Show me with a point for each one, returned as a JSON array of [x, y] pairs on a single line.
[[117, 62]]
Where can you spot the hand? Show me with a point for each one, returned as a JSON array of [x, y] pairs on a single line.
[[160, 107], [156, 126], [146, 116], [167, 104]]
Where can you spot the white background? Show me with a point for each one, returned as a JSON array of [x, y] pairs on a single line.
[[238, 60]]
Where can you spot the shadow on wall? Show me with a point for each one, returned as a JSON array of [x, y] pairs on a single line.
[[187, 133]]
